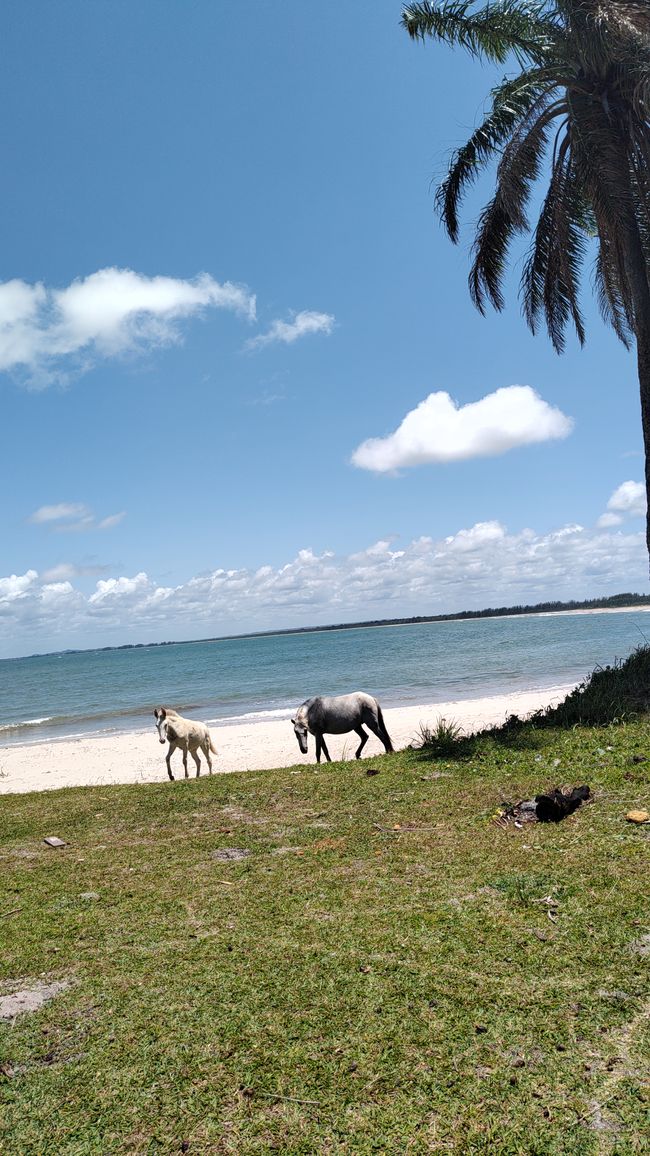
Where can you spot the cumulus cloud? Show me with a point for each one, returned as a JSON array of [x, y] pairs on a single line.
[[45, 332], [302, 324], [627, 501], [73, 517], [439, 430], [478, 566]]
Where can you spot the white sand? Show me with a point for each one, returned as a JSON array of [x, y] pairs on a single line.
[[138, 757]]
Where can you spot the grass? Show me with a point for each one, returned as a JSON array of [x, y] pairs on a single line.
[[440, 739], [386, 972]]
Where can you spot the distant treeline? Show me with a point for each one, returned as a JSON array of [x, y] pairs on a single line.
[[614, 601]]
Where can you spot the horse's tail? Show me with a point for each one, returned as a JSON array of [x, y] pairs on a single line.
[[382, 726], [211, 744]]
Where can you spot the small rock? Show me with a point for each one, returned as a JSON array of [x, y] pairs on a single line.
[[90, 895], [372, 771], [638, 816], [54, 841]]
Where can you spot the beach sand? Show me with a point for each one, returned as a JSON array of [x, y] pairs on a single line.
[[138, 757]]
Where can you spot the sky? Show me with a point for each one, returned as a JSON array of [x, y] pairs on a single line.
[[243, 385]]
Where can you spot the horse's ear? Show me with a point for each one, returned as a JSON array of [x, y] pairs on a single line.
[[293, 722], [160, 712]]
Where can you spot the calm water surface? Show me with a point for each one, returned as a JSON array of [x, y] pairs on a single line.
[[96, 690]]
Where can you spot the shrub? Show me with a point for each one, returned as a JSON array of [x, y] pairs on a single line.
[[439, 740]]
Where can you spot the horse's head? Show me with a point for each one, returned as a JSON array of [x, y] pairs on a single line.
[[160, 715], [300, 731]]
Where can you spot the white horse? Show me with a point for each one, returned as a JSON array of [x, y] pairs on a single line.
[[337, 716], [186, 734]]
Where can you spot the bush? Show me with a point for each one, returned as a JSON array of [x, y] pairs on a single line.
[[441, 739]]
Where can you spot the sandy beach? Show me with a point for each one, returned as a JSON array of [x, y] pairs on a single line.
[[138, 757]]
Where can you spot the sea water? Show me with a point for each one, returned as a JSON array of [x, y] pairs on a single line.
[[223, 681]]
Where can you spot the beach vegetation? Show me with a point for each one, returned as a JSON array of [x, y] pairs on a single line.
[[386, 970], [440, 738], [577, 108], [610, 695]]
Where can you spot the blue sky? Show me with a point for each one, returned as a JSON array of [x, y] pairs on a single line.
[[221, 277]]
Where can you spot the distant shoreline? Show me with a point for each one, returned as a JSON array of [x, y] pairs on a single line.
[[611, 605]]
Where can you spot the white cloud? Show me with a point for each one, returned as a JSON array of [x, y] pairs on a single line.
[[62, 511], [438, 430], [16, 586], [111, 520], [627, 501], [478, 566], [46, 332], [301, 325], [73, 517], [64, 571]]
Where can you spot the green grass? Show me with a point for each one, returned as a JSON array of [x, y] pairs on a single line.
[[385, 953]]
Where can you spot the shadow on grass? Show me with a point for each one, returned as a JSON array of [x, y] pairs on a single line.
[[609, 696]]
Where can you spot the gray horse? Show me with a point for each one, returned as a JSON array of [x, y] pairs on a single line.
[[337, 716]]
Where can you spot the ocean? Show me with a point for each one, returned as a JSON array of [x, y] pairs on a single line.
[[69, 694]]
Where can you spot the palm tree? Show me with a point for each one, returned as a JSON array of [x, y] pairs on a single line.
[[580, 105]]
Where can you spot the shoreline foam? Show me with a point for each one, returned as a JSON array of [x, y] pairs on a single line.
[[255, 744]]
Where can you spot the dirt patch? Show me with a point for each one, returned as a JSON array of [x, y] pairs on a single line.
[[30, 999], [230, 854]]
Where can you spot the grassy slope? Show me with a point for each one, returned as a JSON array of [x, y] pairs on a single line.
[[408, 983]]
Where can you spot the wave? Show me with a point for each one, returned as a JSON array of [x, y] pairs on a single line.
[[282, 712], [28, 722]]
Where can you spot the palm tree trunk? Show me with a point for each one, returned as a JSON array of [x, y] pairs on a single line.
[[643, 362], [638, 275]]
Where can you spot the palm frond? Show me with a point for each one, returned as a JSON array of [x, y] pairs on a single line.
[[511, 102], [494, 233], [522, 158], [550, 280], [493, 32], [610, 301]]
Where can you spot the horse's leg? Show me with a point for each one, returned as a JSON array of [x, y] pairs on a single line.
[[378, 728], [319, 744], [327, 754], [197, 760], [384, 736], [364, 739], [168, 756], [206, 752], [185, 761]]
